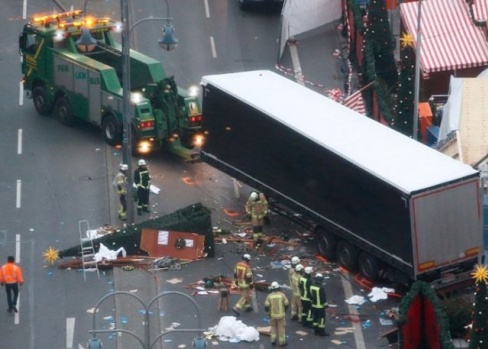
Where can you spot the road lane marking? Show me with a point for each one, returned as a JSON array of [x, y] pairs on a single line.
[[21, 91], [19, 190], [17, 259], [19, 141], [212, 45], [207, 10], [24, 9], [296, 64], [70, 330], [358, 332]]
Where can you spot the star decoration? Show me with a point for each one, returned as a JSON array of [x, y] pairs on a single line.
[[51, 255], [480, 273], [406, 40]]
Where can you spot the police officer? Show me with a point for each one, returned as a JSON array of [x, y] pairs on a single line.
[[244, 279], [142, 180], [295, 295], [304, 286], [120, 183], [257, 208], [276, 305], [319, 304]]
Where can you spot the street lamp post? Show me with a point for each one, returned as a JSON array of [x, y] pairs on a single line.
[[417, 73], [168, 42], [146, 343]]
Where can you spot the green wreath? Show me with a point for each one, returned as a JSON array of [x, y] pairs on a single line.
[[180, 243]]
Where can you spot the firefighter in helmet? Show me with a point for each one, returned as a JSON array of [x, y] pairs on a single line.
[[276, 305], [294, 278], [120, 184], [244, 279], [304, 286], [257, 208], [318, 298], [142, 180]]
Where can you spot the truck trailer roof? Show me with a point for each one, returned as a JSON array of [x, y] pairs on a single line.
[[397, 159]]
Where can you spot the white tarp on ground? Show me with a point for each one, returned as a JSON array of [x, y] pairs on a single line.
[[301, 16]]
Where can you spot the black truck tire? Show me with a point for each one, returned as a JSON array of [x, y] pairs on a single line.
[[64, 111], [112, 130], [346, 255], [369, 266], [41, 101], [326, 243]]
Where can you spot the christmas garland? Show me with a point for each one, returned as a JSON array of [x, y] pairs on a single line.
[[421, 288]]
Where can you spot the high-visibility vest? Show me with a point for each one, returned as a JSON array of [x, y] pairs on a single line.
[[142, 178], [276, 302], [257, 209], [317, 296], [243, 274], [120, 183], [11, 274], [295, 284], [304, 288]]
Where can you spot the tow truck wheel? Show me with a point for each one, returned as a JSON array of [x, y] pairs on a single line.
[[346, 255], [112, 132], [369, 266], [64, 111], [41, 101], [326, 243]]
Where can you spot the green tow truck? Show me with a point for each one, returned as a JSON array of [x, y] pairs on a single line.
[[76, 85]]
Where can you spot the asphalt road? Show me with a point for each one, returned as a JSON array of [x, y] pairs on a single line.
[[53, 176]]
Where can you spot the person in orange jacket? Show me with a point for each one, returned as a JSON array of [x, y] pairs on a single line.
[[11, 277]]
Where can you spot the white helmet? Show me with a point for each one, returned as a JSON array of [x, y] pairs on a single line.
[[254, 196], [299, 267], [141, 162], [123, 167], [274, 285], [295, 260], [246, 257], [319, 276], [308, 270]]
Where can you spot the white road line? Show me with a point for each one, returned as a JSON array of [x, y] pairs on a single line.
[[17, 259], [207, 10], [19, 141], [296, 64], [358, 331], [21, 93], [70, 330], [19, 192], [17, 248], [212, 45], [24, 9]]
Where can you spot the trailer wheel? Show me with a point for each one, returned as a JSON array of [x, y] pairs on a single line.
[[41, 101], [326, 243], [369, 266], [346, 255], [64, 111], [112, 131]]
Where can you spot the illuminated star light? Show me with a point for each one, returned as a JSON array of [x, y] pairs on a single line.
[[406, 40], [51, 255], [480, 273]]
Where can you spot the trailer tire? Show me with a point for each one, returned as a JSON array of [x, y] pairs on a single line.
[[64, 111], [326, 243], [369, 266], [346, 255], [112, 130], [41, 101]]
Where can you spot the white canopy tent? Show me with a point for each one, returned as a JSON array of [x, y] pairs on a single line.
[[301, 16]]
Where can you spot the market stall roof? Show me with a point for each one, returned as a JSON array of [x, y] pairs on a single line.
[[450, 40]]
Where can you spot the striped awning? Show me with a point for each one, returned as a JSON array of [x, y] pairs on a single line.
[[450, 40]]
